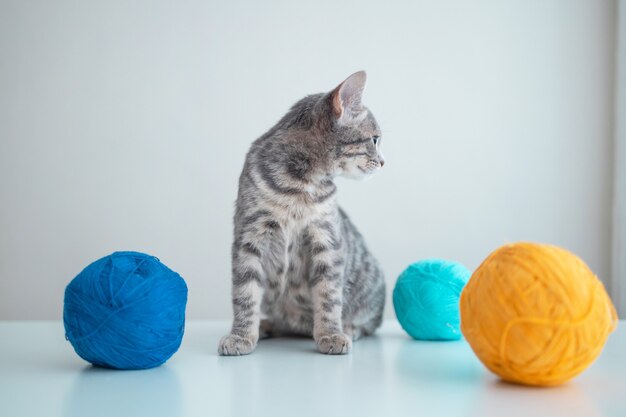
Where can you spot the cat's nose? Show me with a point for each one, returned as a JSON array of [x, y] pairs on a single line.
[[382, 162]]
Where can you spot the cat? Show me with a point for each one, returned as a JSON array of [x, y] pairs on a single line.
[[297, 259]]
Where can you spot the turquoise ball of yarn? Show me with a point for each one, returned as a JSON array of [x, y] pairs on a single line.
[[125, 311], [426, 299]]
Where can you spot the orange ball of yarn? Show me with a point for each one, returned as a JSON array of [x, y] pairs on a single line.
[[536, 314]]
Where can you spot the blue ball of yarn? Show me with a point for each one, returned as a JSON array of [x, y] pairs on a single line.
[[125, 311], [426, 299]]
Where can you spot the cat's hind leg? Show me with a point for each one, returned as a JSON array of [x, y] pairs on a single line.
[[369, 318], [352, 332], [266, 329]]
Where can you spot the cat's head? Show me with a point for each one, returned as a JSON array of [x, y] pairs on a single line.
[[330, 134], [353, 130], [325, 135]]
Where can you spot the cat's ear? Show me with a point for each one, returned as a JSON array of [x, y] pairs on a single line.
[[346, 98]]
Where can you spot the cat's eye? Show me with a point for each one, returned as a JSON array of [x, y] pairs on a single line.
[[375, 139]]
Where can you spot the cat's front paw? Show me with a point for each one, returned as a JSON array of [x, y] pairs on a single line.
[[233, 345], [334, 344]]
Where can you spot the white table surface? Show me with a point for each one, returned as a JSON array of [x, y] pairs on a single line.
[[386, 375]]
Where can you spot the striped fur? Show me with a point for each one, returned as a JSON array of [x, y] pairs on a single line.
[[297, 259]]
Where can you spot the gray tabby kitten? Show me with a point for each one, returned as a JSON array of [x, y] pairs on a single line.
[[297, 259]]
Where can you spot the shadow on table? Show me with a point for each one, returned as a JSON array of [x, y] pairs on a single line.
[[497, 398], [436, 362], [288, 376], [451, 368], [105, 392]]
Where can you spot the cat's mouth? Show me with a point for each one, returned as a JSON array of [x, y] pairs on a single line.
[[371, 167]]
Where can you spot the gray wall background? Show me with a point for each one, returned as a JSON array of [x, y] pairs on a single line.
[[124, 125]]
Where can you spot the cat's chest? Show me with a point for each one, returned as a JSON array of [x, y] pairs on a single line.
[[288, 265], [298, 222], [295, 253], [294, 225], [287, 292]]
